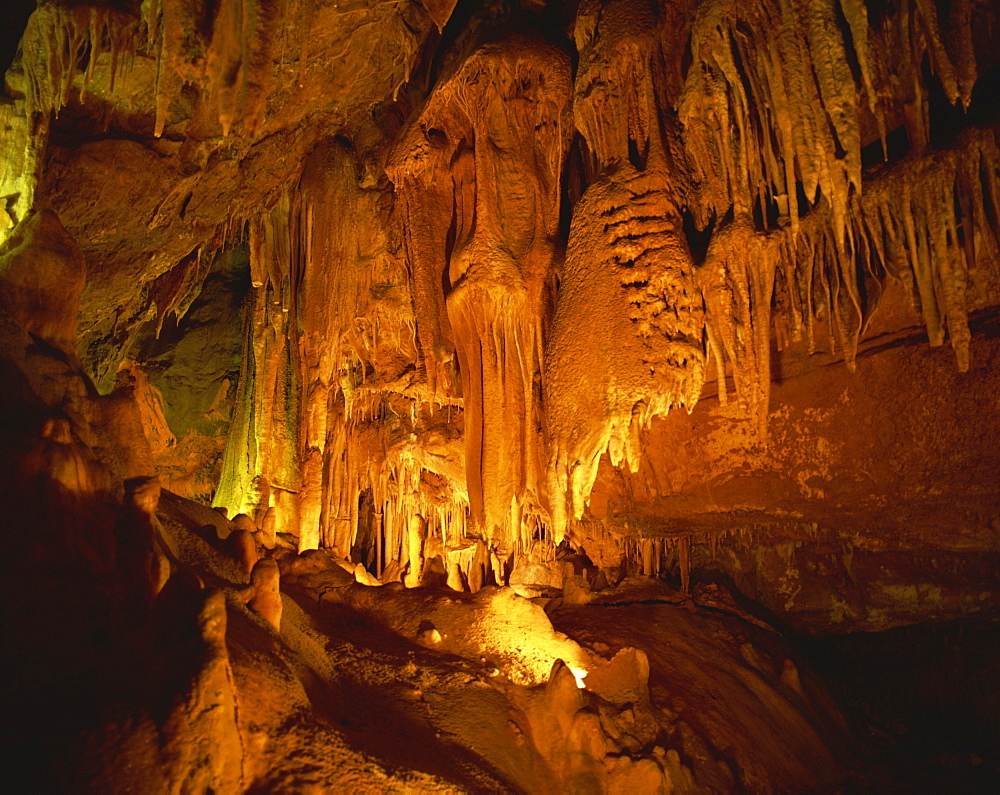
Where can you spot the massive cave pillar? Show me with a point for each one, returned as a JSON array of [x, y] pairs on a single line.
[[497, 129], [627, 339], [336, 433], [311, 258]]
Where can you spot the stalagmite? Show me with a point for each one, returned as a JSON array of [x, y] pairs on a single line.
[[266, 587], [415, 550], [268, 533], [790, 677], [207, 710], [244, 549], [684, 558], [243, 522], [140, 558], [455, 579], [58, 470]]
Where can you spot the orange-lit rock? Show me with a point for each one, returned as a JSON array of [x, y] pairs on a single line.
[[266, 599], [42, 273]]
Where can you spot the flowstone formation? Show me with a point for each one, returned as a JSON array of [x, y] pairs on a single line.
[[435, 395], [628, 289], [497, 129]]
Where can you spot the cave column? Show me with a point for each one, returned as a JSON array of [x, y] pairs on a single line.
[[416, 532], [504, 114]]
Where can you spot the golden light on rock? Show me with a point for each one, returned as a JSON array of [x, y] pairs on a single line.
[[525, 396]]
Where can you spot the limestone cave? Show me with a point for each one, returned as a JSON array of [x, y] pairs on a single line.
[[586, 396]]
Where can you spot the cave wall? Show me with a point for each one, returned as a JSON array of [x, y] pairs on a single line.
[[187, 366], [871, 503]]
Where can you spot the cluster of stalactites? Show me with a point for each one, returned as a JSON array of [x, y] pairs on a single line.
[[226, 48], [61, 40], [329, 405], [736, 282], [613, 103], [228, 52], [770, 103], [629, 283], [773, 107], [772, 110], [929, 222], [355, 350], [259, 469], [395, 508], [59, 43]]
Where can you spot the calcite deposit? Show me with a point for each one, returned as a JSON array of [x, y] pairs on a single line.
[[421, 395]]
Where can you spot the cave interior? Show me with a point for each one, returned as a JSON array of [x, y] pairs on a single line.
[[500, 395]]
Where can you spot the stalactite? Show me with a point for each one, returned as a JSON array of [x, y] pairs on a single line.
[[348, 378], [767, 113], [923, 221], [327, 312], [929, 217], [736, 281], [768, 106], [227, 48], [228, 51], [60, 39], [499, 270]]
